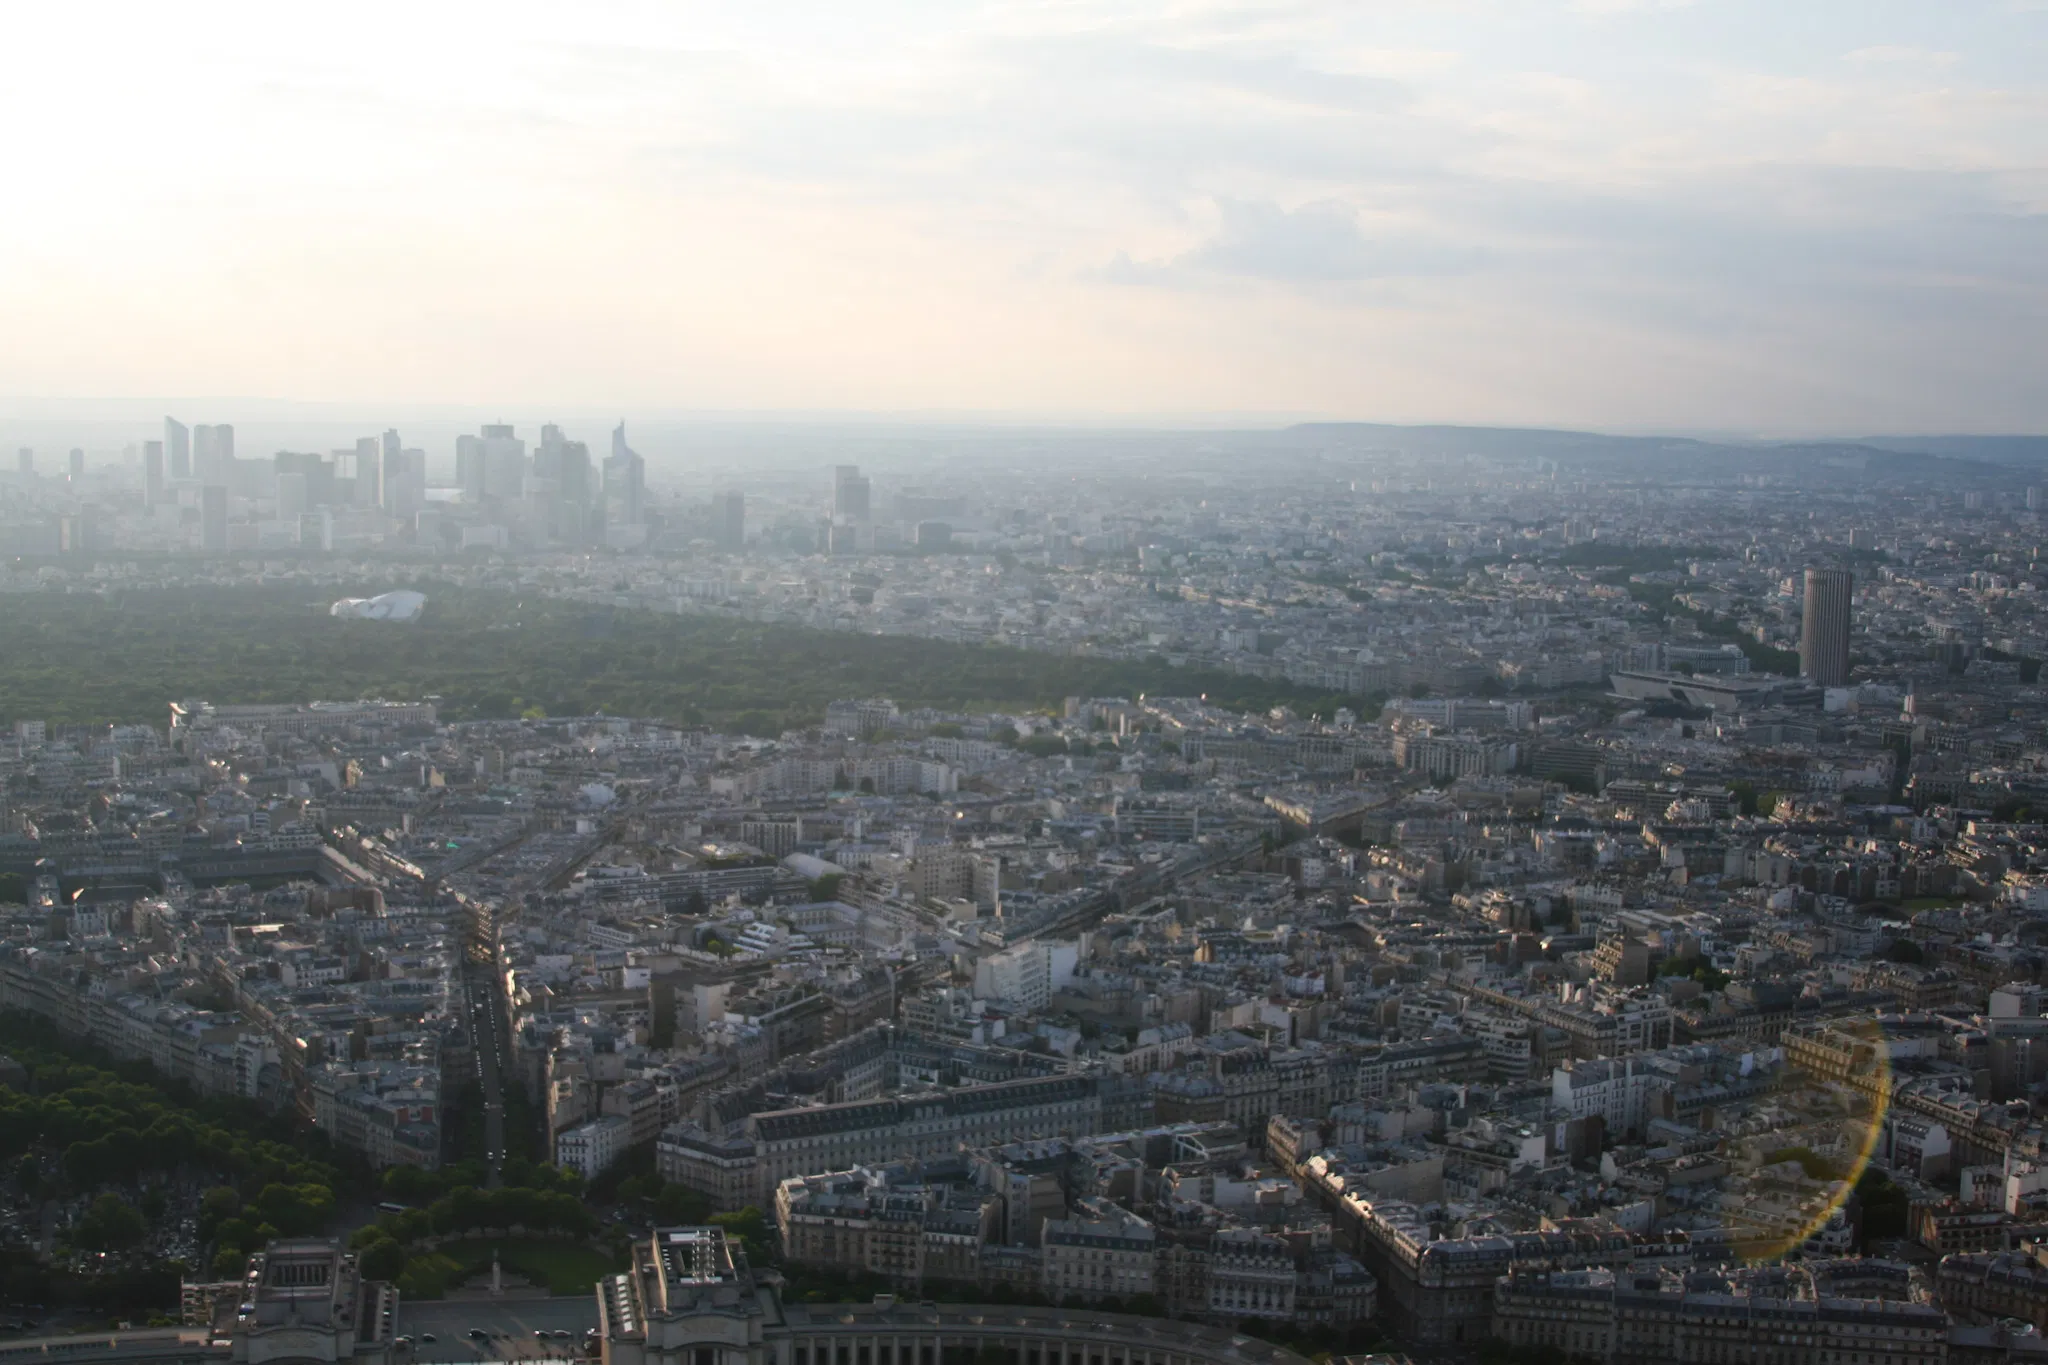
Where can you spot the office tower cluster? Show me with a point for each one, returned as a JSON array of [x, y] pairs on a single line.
[[366, 493], [188, 460], [190, 479], [917, 519], [554, 495], [186, 489]]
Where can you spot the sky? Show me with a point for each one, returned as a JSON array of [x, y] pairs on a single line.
[[1725, 215]]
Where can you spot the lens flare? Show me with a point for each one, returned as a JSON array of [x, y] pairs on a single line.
[[1794, 1179]]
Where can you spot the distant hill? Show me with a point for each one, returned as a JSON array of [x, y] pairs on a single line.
[[1990, 461], [2020, 450]]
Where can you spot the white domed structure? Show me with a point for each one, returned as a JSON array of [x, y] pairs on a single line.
[[403, 605]]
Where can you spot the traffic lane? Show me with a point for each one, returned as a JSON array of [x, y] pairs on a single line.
[[511, 1321], [490, 1046]]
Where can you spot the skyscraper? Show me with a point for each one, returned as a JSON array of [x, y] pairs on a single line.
[[547, 456], [25, 460], [77, 463], [732, 521], [369, 464], [291, 495], [318, 473], [391, 482], [152, 472], [1824, 631], [469, 467], [504, 462], [203, 457], [177, 448], [575, 493], [625, 482], [316, 529], [405, 478], [849, 495], [213, 519], [850, 528], [213, 453]]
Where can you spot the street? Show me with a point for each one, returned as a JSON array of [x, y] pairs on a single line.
[[487, 1025], [511, 1322]]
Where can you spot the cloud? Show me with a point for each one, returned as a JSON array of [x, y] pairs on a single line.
[[1628, 6], [1891, 54], [1589, 210], [1320, 242]]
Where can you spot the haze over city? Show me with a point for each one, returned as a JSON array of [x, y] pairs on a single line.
[[1609, 213]]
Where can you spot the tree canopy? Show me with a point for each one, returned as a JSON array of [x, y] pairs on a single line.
[[121, 657]]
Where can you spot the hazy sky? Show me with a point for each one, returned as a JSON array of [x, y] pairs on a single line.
[[1777, 215]]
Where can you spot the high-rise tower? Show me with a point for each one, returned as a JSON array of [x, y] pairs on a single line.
[[1824, 633], [625, 482], [177, 448], [850, 495]]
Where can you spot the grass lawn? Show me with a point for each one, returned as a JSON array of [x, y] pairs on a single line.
[[564, 1267]]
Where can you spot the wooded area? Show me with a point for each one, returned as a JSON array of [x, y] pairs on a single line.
[[79, 658]]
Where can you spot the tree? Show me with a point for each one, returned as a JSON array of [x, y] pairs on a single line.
[[410, 1184], [216, 1206], [296, 1209], [111, 1224], [680, 1205], [1905, 950], [1884, 1205], [383, 1260], [237, 1234], [750, 1226]]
